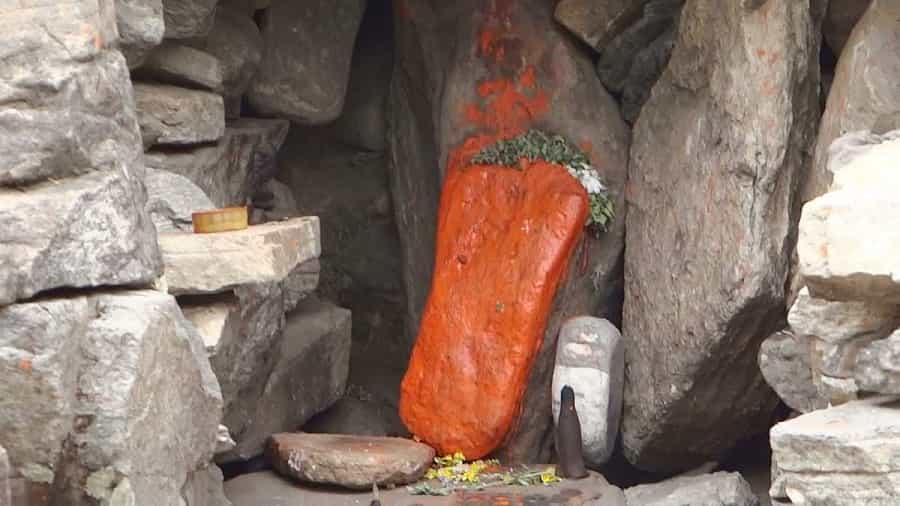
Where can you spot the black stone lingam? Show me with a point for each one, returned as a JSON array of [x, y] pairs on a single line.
[[568, 437]]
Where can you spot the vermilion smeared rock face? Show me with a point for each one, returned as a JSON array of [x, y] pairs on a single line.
[[504, 239], [469, 73]]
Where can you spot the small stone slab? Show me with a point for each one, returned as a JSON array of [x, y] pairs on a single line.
[[169, 115], [716, 489], [354, 462], [216, 263], [842, 456], [180, 65]]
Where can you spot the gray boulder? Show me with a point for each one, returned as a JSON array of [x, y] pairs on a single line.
[[590, 358], [878, 366], [170, 115], [86, 402], [308, 373], [839, 456], [70, 106], [717, 489], [171, 199], [785, 360], [204, 488], [141, 27], [180, 65], [709, 221], [363, 121], [235, 40], [597, 23], [306, 63], [88, 231], [188, 18], [631, 62], [864, 89]]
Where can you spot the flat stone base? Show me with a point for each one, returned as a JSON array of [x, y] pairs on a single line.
[[268, 489]]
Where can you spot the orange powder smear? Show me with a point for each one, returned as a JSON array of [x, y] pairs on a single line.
[[503, 243]]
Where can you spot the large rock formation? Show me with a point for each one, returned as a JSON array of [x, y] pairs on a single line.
[[71, 200], [878, 366], [493, 72], [717, 489], [87, 396], [306, 62], [864, 89], [714, 165]]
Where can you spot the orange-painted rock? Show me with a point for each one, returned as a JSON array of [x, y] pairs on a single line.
[[504, 239], [468, 73]]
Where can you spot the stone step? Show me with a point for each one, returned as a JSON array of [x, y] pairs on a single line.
[[217, 263]]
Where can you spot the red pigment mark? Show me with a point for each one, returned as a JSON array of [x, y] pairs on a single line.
[[25, 364], [403, 10], [527, 78], [761, 53]]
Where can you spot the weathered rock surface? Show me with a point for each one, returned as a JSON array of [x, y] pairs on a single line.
[[631, 63], [311, 363], [188, 18], [597, 23], [181, 65], [363, 120], [838, 330], [841, 19], [717, 489], [878, 366], [269, 489], [85, 405], [709, 224], [232, 170], [590, 357], [786, 365], [436, 104], [863, 159], [67, 103], [5, 472], [177, 116], [271, 134], [360, 417], [361, 265], [864, 89], [141, 27], [835, 263], [845, 455], [204, 488], [171, 199], [215, 263], [83, 232], [306, 61], [236, 42], [354, 462]]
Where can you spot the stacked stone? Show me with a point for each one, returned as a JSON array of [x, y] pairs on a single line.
[[107, 394]]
